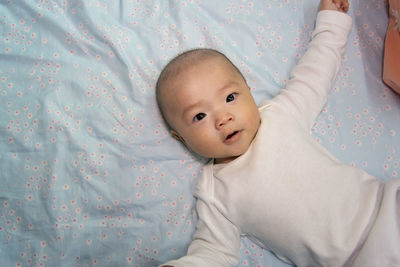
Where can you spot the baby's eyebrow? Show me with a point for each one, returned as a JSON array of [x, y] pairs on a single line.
[[189, 108], [227, 86]]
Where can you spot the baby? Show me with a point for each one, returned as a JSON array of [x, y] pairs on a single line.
[[269, 178]]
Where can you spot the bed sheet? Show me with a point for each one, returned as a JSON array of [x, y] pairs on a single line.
[[89, 175]]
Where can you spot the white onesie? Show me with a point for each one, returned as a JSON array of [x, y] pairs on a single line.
[[290, 195]]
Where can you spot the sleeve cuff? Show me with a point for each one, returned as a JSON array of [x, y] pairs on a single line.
[[341, 19]]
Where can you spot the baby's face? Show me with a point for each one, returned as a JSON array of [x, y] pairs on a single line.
[[211, 110]]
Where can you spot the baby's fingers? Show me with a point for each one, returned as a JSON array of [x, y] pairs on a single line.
[[346, 6], [338, 5], [342, 5]]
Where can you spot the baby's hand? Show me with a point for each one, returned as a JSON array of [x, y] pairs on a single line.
[[338, 5]]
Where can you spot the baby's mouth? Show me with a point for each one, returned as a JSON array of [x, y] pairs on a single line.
[[230, 136]]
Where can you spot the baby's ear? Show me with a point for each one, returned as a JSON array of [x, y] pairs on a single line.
[[177, 136]]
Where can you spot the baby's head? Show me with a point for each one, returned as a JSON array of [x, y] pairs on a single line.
[[206, 102]]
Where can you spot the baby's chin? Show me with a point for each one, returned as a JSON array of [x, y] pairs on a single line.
[[233, 156], [225, 160], [229, 158]]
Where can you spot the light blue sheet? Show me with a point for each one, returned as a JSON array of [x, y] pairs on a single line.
[[89, 175]]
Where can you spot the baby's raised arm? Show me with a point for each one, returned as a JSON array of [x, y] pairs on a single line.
[[311, 79]]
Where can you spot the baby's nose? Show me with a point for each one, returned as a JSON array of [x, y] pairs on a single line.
[[223, 119]]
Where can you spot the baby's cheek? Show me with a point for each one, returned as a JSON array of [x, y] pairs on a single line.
[[200, 144]]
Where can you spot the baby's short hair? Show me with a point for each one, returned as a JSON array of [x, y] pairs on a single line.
[[181, 62]]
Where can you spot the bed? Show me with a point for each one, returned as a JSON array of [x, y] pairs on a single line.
[[89, 175]]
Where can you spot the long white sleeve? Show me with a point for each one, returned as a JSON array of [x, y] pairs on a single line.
[[311, 79], [216, 241]]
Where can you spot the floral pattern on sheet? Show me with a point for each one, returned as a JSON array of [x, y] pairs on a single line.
[[89, 174]]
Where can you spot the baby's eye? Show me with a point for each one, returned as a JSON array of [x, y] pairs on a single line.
[[231, 97], [199, 117]]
